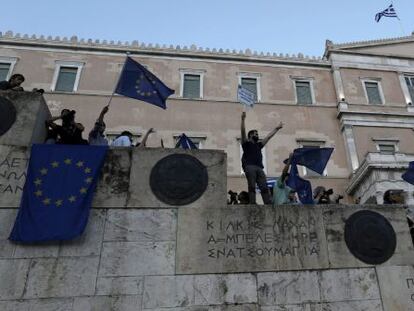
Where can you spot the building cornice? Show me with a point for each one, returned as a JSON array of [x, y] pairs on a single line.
[[137, 48]]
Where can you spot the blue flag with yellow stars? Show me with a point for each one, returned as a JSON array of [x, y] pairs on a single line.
[[408, 176], [137, 82], [57, 195]]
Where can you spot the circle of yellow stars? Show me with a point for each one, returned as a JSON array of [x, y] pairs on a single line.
[[47, 200], [138, 86]]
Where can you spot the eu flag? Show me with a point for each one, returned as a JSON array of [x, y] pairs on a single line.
[[302, 187], [58, 192], [408, 176], [185, 142], [137, 82], [313, 158]]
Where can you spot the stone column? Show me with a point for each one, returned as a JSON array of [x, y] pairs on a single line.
[[339, 87], [350, 147]]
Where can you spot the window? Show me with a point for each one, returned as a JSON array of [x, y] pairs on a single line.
[[410, 84], [386, 148], [303, 92], [192, 83], [6, 67], [112, 135], [251, 85], [312, 144], [4, 71], [67, 76], [191, 88], [373, 92], [250, 81]]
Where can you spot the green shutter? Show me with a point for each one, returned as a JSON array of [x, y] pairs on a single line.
[[373, 93], [191, 88], [303, 93], [66, 79], [4, 71]]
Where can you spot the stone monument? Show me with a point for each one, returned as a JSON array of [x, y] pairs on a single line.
[[161, 237]]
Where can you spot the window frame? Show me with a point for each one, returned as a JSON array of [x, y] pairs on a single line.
[[312, 143], [411, 78], [310, 80], [9, 60], [196, 139], [251, 75], [72, 64], [112, 135], [194, 72], [380, 91], [387, 142]]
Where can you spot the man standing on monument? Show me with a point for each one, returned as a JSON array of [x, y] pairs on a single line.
[[252, 161]]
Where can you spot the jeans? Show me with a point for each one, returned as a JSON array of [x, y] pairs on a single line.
[[255, 174]]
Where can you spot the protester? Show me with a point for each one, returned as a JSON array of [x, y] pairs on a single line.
[[394, 197], [282, 193], [243, 197], [322, 196], [143, 142], [233, 198], [252, 161], [13, 84], [123, 140], [69, 132], [97, 136]]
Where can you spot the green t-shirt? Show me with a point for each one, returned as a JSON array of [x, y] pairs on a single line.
[[280, 193]]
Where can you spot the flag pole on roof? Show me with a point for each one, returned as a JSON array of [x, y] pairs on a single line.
[[138, 82]]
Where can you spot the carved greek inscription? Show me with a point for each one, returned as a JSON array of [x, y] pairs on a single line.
[[12, 175], [278, 237], [410, 286]]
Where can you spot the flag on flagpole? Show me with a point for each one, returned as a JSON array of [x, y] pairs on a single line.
[[408, 176], [58, 192], [388, 12], [245, 96], [138, 82]]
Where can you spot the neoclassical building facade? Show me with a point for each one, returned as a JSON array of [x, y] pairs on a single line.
[[357, 98]]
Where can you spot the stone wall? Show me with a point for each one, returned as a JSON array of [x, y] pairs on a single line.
[[140, 253]]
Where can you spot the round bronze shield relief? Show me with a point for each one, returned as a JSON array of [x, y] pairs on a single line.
[[370, 237], [7, 115], [178, 179]]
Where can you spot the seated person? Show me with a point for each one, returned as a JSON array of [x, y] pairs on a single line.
[[13, 84], [69, 132], [123, 140], [282, 193], [97, 136]]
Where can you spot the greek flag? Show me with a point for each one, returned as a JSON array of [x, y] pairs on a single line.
[[388, 12], [245, 96]]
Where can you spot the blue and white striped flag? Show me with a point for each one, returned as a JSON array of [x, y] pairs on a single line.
[[388, 12], [245, 96]]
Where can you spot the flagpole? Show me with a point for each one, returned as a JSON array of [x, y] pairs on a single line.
[[113, 92], [399, 21]]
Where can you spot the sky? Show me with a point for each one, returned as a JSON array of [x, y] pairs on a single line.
[[290, 26]]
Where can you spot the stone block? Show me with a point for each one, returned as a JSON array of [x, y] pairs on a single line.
[[37, 305], [225, 289], [136, 259], [120, 286], [90, 242], [284, 288], [42, 250], [31, 114], [339, 254], [108, 303], [168, 291], [141, 225], [7, 217], [13, 274], [245, 307], [363, 305], [249, 239], [62, 277], [13, 165], [397, 287], [112, 188], [349, 284], [143, 160]]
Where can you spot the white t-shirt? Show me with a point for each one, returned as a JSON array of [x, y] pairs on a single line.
[[122, 141]]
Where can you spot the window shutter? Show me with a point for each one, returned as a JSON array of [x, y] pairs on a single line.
[[4, 71], [251, 85], [66, 79], [191, 87], [303, 93], [373, 93]]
